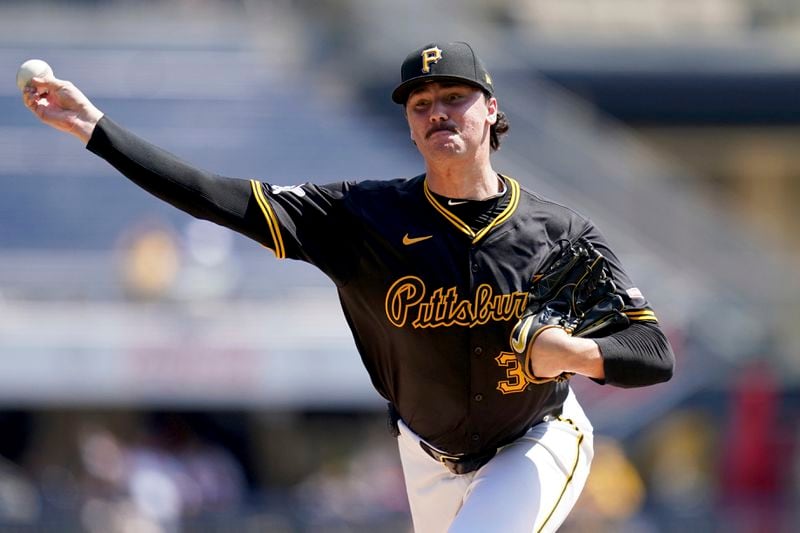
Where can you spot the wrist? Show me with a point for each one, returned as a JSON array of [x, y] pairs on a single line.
[[85, 125], [583, 357], [576, 355]]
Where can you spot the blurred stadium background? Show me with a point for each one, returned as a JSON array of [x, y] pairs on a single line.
[[159, 374]]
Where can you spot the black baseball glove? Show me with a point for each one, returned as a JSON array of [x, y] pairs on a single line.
[[572, 291]]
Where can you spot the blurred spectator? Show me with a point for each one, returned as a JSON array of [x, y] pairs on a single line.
[[679, 464], [168, 475], [752, 463], [149, 262], [366, 487], [19, 499], [614, 492]]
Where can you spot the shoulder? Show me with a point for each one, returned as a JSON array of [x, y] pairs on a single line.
[[347, 191], [375, 193], [397, 186], [557, 217]]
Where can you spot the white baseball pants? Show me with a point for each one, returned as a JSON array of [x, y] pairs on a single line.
[[531, 484]]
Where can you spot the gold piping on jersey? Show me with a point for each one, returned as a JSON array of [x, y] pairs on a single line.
[[507, 212], [641, 315], [462, 226], [447, 214], [272, 220], [571, 473]]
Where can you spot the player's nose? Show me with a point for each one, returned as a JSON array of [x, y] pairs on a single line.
[[438, 112]]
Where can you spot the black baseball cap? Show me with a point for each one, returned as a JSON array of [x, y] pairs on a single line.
[[441, 62]]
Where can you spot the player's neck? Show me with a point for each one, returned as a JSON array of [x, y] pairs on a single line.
[[472, 182]]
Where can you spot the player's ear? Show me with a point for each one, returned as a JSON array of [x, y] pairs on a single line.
[[492, 108]]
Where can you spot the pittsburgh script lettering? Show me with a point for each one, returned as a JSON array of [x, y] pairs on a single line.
[[408, 299]]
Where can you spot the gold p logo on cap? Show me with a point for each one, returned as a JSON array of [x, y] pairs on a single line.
[[430, 55]]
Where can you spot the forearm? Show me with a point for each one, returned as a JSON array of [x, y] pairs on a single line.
[[83, 126], [200, 193], [637, 356], [556, 352]]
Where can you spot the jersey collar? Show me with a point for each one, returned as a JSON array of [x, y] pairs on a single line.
[[464, 227]]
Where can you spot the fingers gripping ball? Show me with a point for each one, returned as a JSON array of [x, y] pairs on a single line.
[[573, 291], [32, 68]]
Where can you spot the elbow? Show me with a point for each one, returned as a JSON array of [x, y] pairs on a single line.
[[661, 366], [653, 364], [664, 368], [642, 357], [663, 371]]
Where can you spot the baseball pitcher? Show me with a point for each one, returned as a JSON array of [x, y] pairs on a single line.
[[473, 302]]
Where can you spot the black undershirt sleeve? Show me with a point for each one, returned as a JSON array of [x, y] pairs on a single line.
[[637, 356], [225, 201]]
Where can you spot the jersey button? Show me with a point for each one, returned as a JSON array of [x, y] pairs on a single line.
[[476, 437], [478, 397], [475, 267], [478, 351]]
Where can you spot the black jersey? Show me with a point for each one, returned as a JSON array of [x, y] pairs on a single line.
[[430, 300]]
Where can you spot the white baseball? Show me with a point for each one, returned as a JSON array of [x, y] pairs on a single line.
[[32, 68]]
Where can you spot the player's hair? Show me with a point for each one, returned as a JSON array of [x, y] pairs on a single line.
[[497, 130]]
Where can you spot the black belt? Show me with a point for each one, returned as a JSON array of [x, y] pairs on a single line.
[[459, 464], [462, 463]]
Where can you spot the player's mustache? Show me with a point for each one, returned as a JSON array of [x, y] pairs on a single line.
[[441, 127]]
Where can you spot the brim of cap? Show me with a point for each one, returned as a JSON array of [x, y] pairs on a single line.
[[402, 91]]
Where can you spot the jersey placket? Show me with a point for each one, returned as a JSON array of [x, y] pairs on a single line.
[[479, 357], [480, 345]]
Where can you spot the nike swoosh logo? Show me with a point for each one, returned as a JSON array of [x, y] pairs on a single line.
[[451, 202], [413, 240], [519, 340]]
